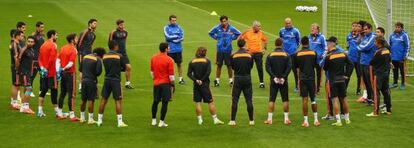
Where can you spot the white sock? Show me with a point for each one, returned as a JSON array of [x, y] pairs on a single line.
[[200, 118], [71, 114], [161, 122], [12, 101], [365, 94], [214, 117], [218, 80], [154, 120], [305, 119], [80, 86], [58, 111], [230, 80], [347, 116], [269, 116], [40, 109], [180, 78], [100, 116], [82, 116], [128, 83], [25, 105], [338, 118], [315, 116], [90, 116], [119, 117], [286, 114]]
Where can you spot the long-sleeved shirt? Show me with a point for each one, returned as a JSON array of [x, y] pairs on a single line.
[[224, 37], [162, 69], [119, 36], [305, 61], [291, 39], [26, 57], [199, 69], [91, 68], [39, 40], [85, 41], [14, 52], [381, 62], [352, 45], [241, 62], [338, 66], [47, 57], [367, 48], [67, 58], [174, 35], [400, 46], [317, 43], [254, 40], [278, 64], [114, 63]]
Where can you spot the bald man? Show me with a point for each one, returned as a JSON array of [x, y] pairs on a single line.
[[291, 41]]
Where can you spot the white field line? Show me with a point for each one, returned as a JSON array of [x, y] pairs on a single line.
[[234, 21]]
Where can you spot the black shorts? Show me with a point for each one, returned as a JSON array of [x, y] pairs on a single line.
[[202, 93], [14, 76], [177, 57], [307, 88], [338, 89], [49, 83], [24, 79], [223, 58], [114, 87], [242, 84], [162, 93], [275, 88], [126, 58], [89, 91]]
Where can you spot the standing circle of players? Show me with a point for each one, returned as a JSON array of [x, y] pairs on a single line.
[[369, 54]]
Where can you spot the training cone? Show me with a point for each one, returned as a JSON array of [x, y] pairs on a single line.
[[213, 13]]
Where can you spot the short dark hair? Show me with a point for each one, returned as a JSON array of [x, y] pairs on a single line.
[[20, 24], [382, 30], [50, 33], [362, 23], [112, 44], [369, 26], [31, 37], [304, 40], [241, 43], [92, 20], [279, 42], [119, 21], [201, 52], [400, 24], [17, 33], [70, 37], [99, 51], [381, 40], [223, 17], [39, 23], [12, 32], [163, 46], [172, 16]]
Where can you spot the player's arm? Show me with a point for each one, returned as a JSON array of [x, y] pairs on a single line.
[[268, 67], [264, 41], [375, 59], [407, 46], [297, 34], [123, 61], [213, 33], [71, 62], [326, 63], [349, 67], [288, 67], [169, 37], [82, 37], [207, 72], [190, 72], [110, 38], [19, 57], [368, 45], [236, 33], [98, 70]]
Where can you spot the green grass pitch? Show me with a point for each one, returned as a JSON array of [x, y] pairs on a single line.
[[144, 22]]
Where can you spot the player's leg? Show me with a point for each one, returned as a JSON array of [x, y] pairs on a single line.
[[208, 98], [63, 92], [258, 58], [83, 104], [128, 76], [271, 105], [28, 91], [248, 96], [284, 92], [342, 88], [387, 95], [304, 92], [235, 95], [358, 75], [219, 63], [155, 102], [197, 97], [403, 72], [166, 95], [71, 81], [179, 60], [106, 92], [42, 94], [314, 105], [14, 91], [318, 78], [395, 69], [295, 74], [117, 95]]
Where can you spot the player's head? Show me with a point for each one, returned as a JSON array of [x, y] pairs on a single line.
[[201, 52], [304, 41], [279, 43], [52, 34], [241, 43], [18, 35], [72, 38], [367, 28], [113, 45], [30, 41], [288, 23], [355, 26], [315, 28], [332, 42], [256, 26], [380, 31], [120, 23], [40, 27], [380, 41], [12, 33], [92, 23], [99, 51], [399, 27], [164, 47], [361, 25], [21, 26], [172, 19], [224, 20]]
